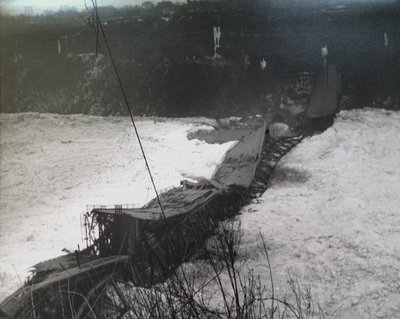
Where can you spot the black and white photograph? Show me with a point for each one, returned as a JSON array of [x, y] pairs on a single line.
[[195, 159]]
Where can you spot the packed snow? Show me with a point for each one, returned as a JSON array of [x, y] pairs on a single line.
[[332, 217], [52, 166]]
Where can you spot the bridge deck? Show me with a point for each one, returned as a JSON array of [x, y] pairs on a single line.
[[240, 161]]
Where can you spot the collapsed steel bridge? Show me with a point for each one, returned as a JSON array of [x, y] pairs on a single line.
[[145, 245]]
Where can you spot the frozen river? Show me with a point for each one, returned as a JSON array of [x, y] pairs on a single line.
[[331, 216], [52, 166]]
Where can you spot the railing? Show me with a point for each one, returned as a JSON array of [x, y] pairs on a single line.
[[90, 227], [89, 208], [117, 208]]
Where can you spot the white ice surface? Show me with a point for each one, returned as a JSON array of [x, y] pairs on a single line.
[[52, 166], [332, 216]]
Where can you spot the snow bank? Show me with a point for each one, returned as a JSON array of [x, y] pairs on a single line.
[[52, 166], [332, 216]]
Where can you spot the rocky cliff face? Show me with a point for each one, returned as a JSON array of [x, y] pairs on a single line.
[[265, 63]]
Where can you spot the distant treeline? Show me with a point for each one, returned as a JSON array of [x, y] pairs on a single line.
[[165, 54]]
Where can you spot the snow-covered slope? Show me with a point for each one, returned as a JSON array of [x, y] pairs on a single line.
[[52, 166], [332, 216]]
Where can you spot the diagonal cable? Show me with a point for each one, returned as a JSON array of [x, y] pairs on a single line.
[[100, 26]]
